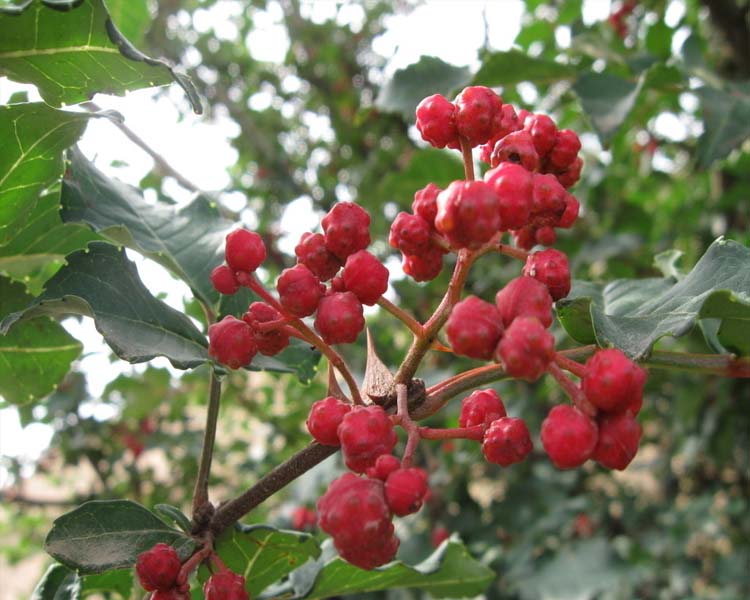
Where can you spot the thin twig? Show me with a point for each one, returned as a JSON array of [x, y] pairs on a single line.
[[200, 493]]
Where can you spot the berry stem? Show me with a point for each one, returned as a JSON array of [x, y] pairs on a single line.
[[569, 365], [423, 343], [200, 492], [414, 326], [468, 159], [192, 563], [308, 335], [458, 433], [403, 419], [572, 390], [521, 255]]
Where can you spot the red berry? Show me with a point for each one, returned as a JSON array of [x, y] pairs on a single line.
[[425, 266], [231, 342], [225, 585], [365, 433], [410, 233], [224, 281], [524, 297], [340, 318], [547, 199], [570, 176], [353, 511], [365, 276], [568, 436], [324, 419], [572, 206], [516, 147], [157, 568], [244, 250], [312, 252], [526, 348], [384, 466], [405, 491], [347, 229], [513, 186], [303, 518], [619, 436], [525, 238], [436, 121], [507, 441], [543, 132], [468, 213], [474, 328], [612, 382], [550, 267], [269, 342], [478, 114], [299, 290], [481, 407], [425, 202], [508, 122], [565, 150], [545, 236]]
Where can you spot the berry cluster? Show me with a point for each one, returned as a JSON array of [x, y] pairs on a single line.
[[158, 571], [357, 510], [338, 307]]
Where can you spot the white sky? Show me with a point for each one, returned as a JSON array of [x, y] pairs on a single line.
[[201, 150]]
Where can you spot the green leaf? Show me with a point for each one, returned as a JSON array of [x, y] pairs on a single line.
[[409, 86], [57, 583], [633, 314], [39, 246], [91, 56], [436, 166], [34, 136], [103, 284], [726, 118], [34, 355], [515, 66], [110, 534], [298, 358], [131, 17], [262, 554], [119, 581], [175, 515], [188, 241], [607, 100], [450, 572]]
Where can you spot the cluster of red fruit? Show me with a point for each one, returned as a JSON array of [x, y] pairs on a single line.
[[158, 571], [338, 308], [357, 511]]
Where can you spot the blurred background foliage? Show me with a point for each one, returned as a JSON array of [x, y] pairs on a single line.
[[663, 112]]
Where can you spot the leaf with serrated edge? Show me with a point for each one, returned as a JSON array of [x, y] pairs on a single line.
[[633, 314], [34, 136], [103, 284], [72, 50], [34, 355], [262, 554], [410, 85], [515, 66], [110, 534], [57, 583], [450, 572], [188, 241]]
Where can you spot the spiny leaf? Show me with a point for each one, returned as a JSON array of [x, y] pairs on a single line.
[[633, 314], [262, 554], [110, 534], [34, 355], [34, 136], [103, 284], [91, 57], [188, 241], [450, 572]]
